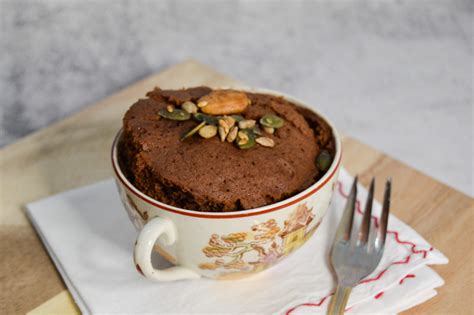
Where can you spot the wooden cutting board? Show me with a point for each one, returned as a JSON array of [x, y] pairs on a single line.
[[75, 152]]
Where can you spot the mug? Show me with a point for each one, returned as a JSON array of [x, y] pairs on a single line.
[[224, 245]]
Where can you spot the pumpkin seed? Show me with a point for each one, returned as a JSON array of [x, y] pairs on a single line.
[[272, 121], [269, 130], [247, 123], [232, 134], [237, 118], [193, 131], [190, 107], [256, 130], [265, 142], [242, 137], [324, 160], [208, 131], [210, 120], [245, 139], [177, 114]]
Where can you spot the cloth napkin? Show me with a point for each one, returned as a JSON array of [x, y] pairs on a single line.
[[90, 239]]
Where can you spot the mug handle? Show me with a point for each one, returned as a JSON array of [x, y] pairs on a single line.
[[153, 230]]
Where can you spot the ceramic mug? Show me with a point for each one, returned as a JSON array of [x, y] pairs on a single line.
[[224, 245]]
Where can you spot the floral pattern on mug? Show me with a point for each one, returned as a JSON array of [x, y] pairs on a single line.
[[262, 246]]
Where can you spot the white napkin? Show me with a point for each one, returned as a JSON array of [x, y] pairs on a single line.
[[90, 239]]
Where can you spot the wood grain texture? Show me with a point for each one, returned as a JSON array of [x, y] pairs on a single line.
[[75, 152], [27, 274]]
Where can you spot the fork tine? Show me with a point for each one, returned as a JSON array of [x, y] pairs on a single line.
[[364, 230], [382, 231], [345, 226]]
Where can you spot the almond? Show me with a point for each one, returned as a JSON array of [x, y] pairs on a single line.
[[224, 102]]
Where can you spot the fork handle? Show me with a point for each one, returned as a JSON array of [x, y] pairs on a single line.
[[339, 300]]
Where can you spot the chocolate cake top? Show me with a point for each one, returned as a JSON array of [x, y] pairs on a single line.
[[206, 174]]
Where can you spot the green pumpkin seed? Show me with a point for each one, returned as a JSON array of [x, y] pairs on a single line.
[[245, 139], [324, 160], [256, 130], [176, 114], [193, 131], [272, 121], [210, 120], [237, 118]]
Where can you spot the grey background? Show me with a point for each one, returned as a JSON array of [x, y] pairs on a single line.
[[395, 74]]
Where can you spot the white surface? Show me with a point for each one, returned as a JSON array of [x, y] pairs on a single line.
[[394, 74], [90, 239]]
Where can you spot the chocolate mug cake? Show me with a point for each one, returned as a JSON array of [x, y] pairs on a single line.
[[222, 150], [223, 183]]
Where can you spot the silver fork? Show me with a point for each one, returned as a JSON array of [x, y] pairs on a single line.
[[355, 255]]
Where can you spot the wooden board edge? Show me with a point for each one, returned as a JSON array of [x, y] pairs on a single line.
[[62, 303]]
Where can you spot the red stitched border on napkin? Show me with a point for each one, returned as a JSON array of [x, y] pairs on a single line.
[[378, 276]]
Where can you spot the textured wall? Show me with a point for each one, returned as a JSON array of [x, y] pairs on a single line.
[[395, 74]]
